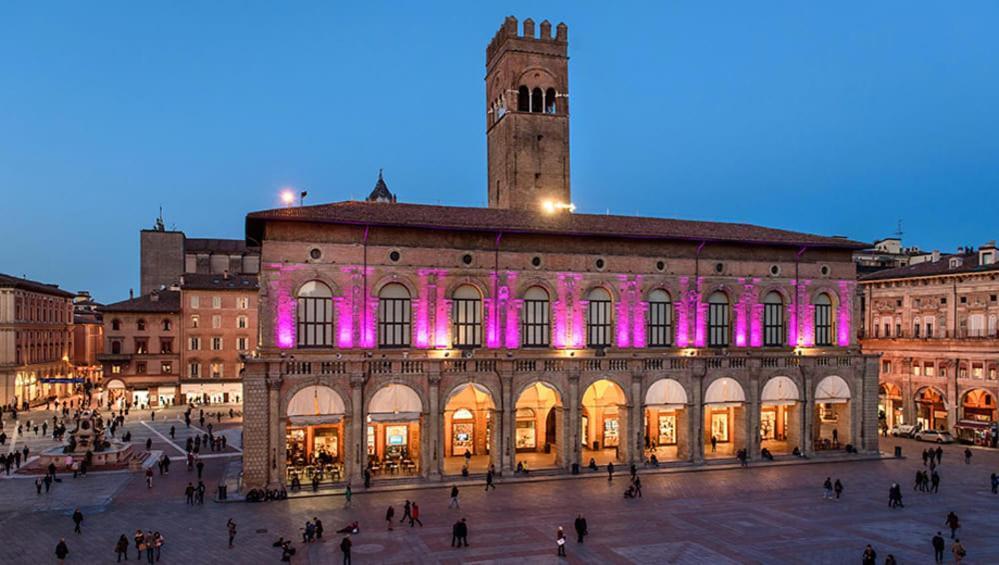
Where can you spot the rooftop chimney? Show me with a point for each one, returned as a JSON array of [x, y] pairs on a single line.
[[131, 293]]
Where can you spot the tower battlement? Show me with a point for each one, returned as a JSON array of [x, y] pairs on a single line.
[[512, 30]]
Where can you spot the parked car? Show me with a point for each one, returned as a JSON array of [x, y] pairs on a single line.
[[935, 436], [904, 430]]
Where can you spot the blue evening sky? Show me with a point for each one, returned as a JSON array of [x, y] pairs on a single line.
[[832, 118]]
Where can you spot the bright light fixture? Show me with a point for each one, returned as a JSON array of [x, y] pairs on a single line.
[[288, 197], [550, 206]]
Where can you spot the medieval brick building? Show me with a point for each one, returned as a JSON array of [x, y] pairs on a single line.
[[415, 340]]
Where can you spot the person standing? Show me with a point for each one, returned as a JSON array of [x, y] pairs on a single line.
[[415, 515], [967, 456], [489, 479], [230, 526], [454, 498], [838, 487], [62, 550], [318, 527], [121, 548], [580, 526], [870, 556], [560, 541], [827, 489], [610, 471], [158, 541], [390, 516], [953, 523], [637, 483], [77, 520], [189, 494], [149, 476], [714, 443], [348, 494], [345, 544], [200, 466], [935, 482], [938, 548], [939, 455], [958, 551], [459, 533], [139, 542]]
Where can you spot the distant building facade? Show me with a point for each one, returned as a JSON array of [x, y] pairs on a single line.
[[166, 255], [936, 326], [88, 338], [36, 340]]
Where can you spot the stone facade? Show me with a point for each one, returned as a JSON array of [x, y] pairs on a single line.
[[935, 326]]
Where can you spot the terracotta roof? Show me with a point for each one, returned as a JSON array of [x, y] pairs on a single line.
[[520, 221], [200, 281], [213, 245], [33, 286], [161, 301], [969, 264]]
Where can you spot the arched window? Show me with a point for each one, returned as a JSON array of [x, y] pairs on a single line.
[[660, 327], [315, 315], [718, 320], [115, 347], [394, 316], [598, 318], [467, 316], [140, 325], [550, 101], [773, 320], [523, 99], [537, 100], [536, 326], [823, 320]]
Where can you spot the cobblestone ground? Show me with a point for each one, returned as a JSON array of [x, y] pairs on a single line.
[[759, 515]]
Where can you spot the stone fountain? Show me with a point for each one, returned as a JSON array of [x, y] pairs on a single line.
[[88, 442]]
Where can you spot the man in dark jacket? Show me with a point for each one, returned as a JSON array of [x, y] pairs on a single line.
[[61, 550], [938, 548], [345, 548], [459, 533], [580, 528], [77, 519]]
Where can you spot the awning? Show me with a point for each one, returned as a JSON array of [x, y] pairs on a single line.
[[395, 417], [315, 420], [972, 424]]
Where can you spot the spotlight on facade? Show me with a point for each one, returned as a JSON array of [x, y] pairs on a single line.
[[550, 206], [288, 197]]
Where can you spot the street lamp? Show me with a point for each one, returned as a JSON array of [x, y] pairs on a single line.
[[288, 197]]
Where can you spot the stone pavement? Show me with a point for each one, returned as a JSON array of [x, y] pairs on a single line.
[[759, 515]]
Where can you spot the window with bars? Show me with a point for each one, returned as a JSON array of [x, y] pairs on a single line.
[[718, 320], [467, 317], [598, 318], [823, 320], [315, 315], [535, 327], [659, 330], [773, 320], [394, 316]]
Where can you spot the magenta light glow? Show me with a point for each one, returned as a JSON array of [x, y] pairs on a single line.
[[843, 327], [682, 314], [442, 316], [511, 331], [285, 320], [345, 323], [701, 318]]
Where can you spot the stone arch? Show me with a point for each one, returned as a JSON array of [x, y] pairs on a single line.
[[547, 79], [780, 388], [622, 381], [666, 391], [299, 385], [477, 386], [602, 284], [526, 284], [385, 392], [301, 278], [113, 384], [483, 288], [824, 288], [662, 284], [559, 392], [724, 390], [832, 388], [765, 289], [386, 280], [939, 392], [314, 404]]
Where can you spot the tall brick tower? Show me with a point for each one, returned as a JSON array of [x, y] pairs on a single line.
[[527, 115]]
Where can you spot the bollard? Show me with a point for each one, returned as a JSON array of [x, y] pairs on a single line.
[[898, 451]]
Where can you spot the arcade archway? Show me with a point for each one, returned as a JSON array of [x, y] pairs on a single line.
[[468, 427], [780, 416], [931, 409], [314, 442], [890, 408], [666, 421], [395, 417], [603, 425], [724, 414], [539, 418], [832, 425]]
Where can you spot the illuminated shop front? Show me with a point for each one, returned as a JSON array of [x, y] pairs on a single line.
[[931, 409], [538, 425], [890, 404], [314, 435], [724, 415], [832, 426], [666, 421], [603, 422], [468, 429], [780, 416], [393, 431]]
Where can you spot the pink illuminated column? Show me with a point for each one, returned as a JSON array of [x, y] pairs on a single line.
[[806, 316], [344, 322], [421, 313], [701, 310], [284, 326], [682, 314], [570, 331], [639, 310], [843, 329], [442, 315]]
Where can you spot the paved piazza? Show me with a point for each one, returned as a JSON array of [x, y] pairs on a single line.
[[760, 515]]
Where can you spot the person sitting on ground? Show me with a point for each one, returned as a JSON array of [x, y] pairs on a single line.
[[464, 470], [630, 493], [351, 528], [593, 464], [654, 461], [796, 452], [765, 453], [520, 467]]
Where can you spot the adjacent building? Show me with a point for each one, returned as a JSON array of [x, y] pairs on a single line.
[[36, 340], [935, 325], [88, 338], [408, 339]]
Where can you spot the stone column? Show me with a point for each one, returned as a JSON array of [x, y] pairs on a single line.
[[571, 426], [434, 448], [496, 440], [275, 476], [358, 436], [636, 410], [808, 412], [696, 415], [952, 401], [509, 407], [753, 416], [256, 437]]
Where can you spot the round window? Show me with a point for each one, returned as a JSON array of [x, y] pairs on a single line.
[[536, 262], [824, 270], [599, 264], [660, 266], [394, 256], [466, 258], [315, 253], [774, 270], [719, 267]]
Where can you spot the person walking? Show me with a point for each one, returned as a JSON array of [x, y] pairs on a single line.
[[459, 533], [637, 484], [560, 541], [489, 479], [454, 498], [200, 465], [870, 556], [140, 539], [189, 494], [121, 548], [390, 516], [149, 476], [935, 482], [838, 487], [827, 489], [230, 527], [348, 495], [318, 526], [926, 456], [406, 512], [149, 546], [938, 547], [580, 526], [953, 523], [414, 515], [994, 479], [939, 455], [345, 544], [967, 456], [61, 550], [158, 541], [957, 549], [77, 520], [610, 471]]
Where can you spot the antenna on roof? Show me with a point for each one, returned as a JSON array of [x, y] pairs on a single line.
[[159, 226], [898, 231]]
